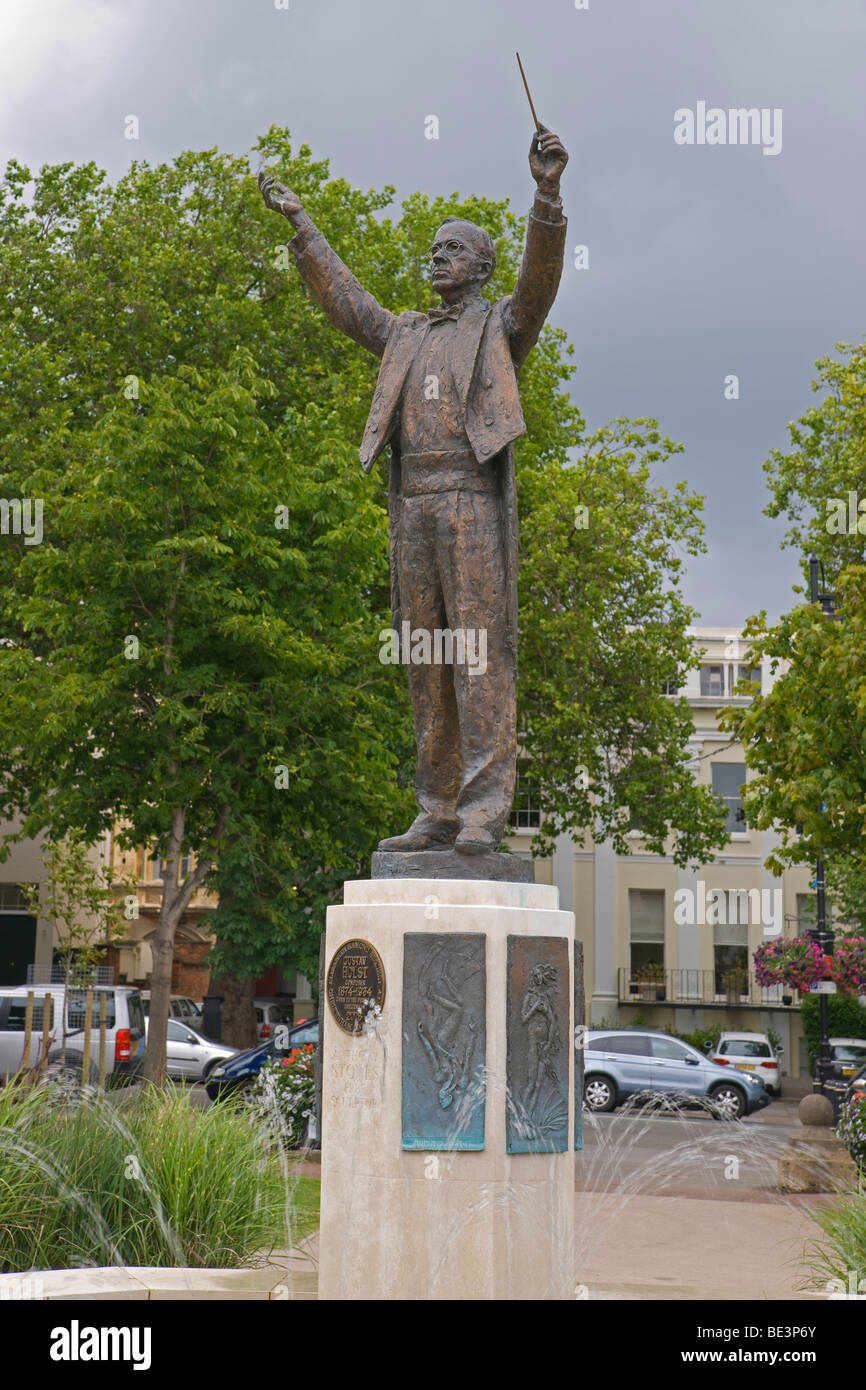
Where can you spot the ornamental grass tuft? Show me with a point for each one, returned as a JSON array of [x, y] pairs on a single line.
[[86, 1181]]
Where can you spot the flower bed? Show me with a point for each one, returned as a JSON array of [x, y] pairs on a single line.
[[283, 1095], [851, 1129]]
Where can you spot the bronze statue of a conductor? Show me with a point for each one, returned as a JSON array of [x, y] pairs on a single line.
[[447, 404]]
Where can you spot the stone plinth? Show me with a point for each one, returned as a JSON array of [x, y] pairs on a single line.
[[816, 1161], [401, 1224], [449, 863]]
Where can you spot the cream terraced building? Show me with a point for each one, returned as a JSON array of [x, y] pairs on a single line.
[[670, 947]]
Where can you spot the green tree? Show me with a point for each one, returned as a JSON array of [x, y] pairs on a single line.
[[604, 637], [191, 652], [192, 640], [846, 1018], [805, 738], [810, 482]]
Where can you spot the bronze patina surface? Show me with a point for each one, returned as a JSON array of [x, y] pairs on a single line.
[[444, 1040], [355, 985], [447, 405], [501, 868], [538, 1041]]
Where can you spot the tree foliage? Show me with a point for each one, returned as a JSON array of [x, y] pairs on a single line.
[[806, 738], [191, 652]]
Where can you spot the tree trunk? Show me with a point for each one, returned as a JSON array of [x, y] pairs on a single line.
[[238, 1013], [176, 898], [160, 992]]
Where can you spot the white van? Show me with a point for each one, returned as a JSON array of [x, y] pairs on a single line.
[[124, 1029]]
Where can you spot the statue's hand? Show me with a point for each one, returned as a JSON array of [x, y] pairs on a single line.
[[278, 197], [547, 159]]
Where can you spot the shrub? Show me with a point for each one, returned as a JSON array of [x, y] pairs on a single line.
[[701, 1036], [843, 1257], [851, 1129], [151, 1181], [846, 1019]]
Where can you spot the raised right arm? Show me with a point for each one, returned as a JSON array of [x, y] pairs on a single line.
[[347, 304]]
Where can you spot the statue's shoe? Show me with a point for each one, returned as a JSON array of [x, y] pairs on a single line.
[[474, 839], [423, 833]]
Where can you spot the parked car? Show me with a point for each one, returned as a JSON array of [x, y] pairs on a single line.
[[189, 1056], [182, 1008], [270, 1013], [124, 1030], [245, 1066], [636, 1062], [847, 1058], [857, 1085], [750, 1052]]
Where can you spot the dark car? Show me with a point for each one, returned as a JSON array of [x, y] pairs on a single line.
[[847, 1058], [857, 1086], [239, 1071]]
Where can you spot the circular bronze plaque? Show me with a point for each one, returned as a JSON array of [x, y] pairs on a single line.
[[356, 984]]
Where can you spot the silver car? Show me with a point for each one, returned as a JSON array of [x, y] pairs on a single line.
[[188, 1055], [179, 1006]]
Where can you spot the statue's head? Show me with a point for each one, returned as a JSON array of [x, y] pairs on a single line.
[[462, 256]]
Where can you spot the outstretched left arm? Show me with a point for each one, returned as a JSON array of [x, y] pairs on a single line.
[[541, 267]]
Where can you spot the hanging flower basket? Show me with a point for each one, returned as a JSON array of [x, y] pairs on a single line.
[[849, 963], [800, 963]]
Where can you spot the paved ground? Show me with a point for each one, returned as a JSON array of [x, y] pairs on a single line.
[[684, 1247], [673, 1207], [686, 1207], [681, 1207], [665, 1247], [690, 1151]]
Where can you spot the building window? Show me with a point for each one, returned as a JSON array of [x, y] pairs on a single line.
[[525, 814], [158, 867], [752, 674], [12, 899], [807, 913], [731, 953], [713, 680], [728, 778], [646, 909]]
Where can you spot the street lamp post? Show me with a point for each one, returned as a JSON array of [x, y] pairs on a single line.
[[820, 934]]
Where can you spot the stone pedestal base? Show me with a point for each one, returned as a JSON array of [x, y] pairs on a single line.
[[398, 1223], [448, 863], [816, 1161]]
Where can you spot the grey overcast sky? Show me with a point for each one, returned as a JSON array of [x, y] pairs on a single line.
[[704, 260]]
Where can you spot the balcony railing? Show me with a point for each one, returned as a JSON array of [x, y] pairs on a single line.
[[704, 988]]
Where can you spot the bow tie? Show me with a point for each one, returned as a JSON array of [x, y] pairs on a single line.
[[440, 315]]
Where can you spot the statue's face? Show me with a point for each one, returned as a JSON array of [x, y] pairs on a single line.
[[455, 259]]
